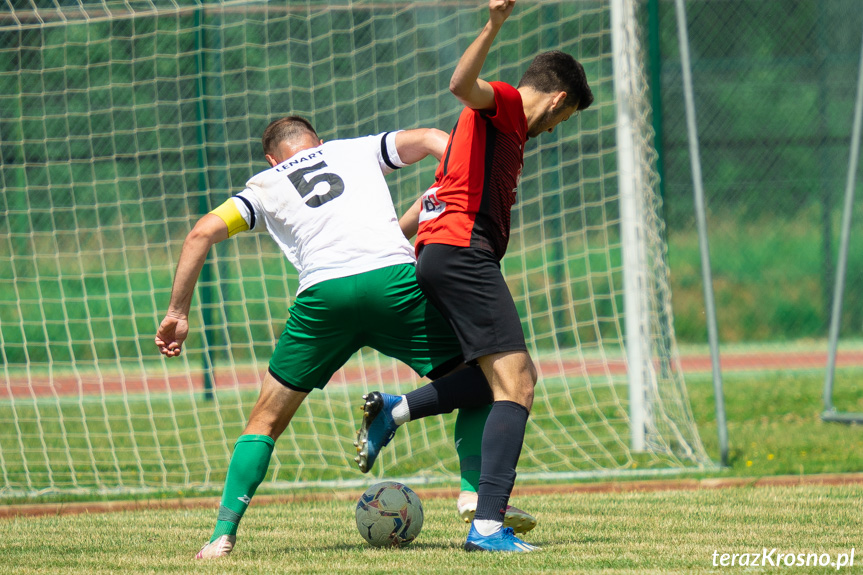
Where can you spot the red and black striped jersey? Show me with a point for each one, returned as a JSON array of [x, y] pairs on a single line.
[[476, 181]]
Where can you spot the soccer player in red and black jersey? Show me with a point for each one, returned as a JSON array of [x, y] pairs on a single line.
[[464, 225]]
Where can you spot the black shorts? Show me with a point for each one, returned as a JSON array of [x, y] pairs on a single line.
[[467, 286]]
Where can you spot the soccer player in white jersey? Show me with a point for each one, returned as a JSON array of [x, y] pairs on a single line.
[[328, 207]]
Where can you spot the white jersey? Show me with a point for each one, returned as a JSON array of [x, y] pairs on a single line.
[[330, 210]]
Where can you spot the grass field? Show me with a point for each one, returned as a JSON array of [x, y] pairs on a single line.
[[774, 428], [774, 423], [669, 532], [773, 420], [139, 439]]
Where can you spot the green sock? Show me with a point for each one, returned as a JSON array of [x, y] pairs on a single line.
[[247, 469], [469, 425]]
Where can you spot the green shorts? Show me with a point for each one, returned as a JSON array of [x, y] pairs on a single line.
[[383, 309]]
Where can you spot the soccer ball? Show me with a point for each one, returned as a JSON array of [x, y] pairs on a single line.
[[389, 514]]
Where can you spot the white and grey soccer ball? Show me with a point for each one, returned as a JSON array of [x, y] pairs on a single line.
[[389, 514]]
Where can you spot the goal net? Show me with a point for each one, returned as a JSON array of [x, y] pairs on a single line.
[[121, 123]]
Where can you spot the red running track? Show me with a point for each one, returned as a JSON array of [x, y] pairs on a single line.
[[160, 382]]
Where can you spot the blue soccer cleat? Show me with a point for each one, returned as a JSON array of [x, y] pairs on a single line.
[[504, 540], [377, 429]]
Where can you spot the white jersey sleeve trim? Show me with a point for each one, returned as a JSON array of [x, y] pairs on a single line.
[[388, 156], [248, 207]]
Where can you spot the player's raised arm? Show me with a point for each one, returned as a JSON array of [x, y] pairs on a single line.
[[466, 84], [172, 332]]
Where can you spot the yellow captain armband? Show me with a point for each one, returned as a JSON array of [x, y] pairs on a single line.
[[232, 217]]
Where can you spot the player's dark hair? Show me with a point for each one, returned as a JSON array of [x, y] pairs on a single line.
[[557, 71], [289, 128]]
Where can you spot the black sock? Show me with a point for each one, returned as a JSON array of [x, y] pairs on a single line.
[[464, 388], [501, 446]]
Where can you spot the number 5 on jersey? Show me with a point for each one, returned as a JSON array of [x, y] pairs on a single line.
[[432, 207], [306, 187]]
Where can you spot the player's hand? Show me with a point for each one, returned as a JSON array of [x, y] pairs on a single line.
[[499, 10], [171, 334]]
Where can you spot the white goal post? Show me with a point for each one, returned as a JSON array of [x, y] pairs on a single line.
[[831, 413], [122, 123], [631, 179]]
